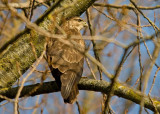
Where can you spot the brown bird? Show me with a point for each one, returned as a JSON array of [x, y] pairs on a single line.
[[65, 62]]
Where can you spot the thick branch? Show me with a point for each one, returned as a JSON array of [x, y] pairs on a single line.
[[121, 90]]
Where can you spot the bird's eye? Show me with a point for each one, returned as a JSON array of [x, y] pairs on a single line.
[[79, 20]]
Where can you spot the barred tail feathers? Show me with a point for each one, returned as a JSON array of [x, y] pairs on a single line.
[[69, 88]]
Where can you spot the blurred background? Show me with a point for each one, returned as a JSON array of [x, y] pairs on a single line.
[[115, 20]]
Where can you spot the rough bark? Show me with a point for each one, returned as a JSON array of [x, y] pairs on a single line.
[[121, 90]]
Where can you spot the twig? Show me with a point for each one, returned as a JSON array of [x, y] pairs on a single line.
[[94, 43], [79, 108], [154, 26], [87, 61], [126, 6]]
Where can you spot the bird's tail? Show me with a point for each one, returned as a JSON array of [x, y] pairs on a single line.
[[73, 95]]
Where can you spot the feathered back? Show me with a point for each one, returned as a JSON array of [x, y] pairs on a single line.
[[65, 62]]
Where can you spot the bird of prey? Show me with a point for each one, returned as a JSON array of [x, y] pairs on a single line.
[[65, 62]]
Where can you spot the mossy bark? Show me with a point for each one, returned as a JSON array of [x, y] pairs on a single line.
[[121, 90]]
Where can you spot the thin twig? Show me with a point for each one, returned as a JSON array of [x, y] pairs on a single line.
[[87, 61], [154, 26], [126, 6], [93, 42], [79, 108]]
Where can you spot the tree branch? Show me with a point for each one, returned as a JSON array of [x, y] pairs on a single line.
[[121, 90]]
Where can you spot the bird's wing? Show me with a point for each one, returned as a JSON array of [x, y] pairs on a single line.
[[70, 63], [63, 57], [71, 55]]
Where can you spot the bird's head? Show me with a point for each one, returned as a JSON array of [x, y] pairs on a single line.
[[77, 23]]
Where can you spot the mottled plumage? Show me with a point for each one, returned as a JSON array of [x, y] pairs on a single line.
[[65, 62]]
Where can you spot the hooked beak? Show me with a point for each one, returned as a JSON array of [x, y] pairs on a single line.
[[85, 24]]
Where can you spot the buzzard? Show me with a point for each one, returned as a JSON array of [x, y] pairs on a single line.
[[65, 62]]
